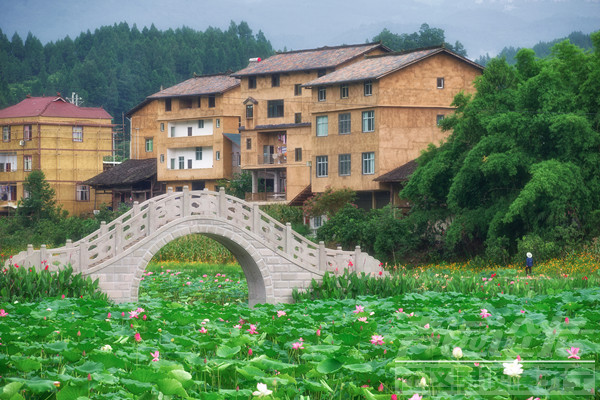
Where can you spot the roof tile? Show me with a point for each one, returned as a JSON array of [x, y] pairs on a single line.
[[52, 107]]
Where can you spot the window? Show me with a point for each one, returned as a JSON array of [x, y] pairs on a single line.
[[172, 163], [200, 124], [190, 163], [322, 125], [368, 121], [190, 131], [26, 132], [83, 193], [167, 104], [321, 72], [78, 134], [322, 166], [248, 144], [439, 118], [162, 158], [162, 126], [440, 83], [185, 103], [343, 91], [298, 118], [344, 164], [198, 153], [6, 133], [172, 131], [298, 153], [27, 162], [318, 221], [368, 163], [322, 94], [275, 80], [344, 123], [297, 89], [211, 101], [199, 102], [252, 82], [181, 162], [275, 109], [218, 155], [368, 88], [149, 145], [250, 111], [218, 123]]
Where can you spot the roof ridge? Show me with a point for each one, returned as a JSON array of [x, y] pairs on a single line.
[[343, 46], [402, 52], [225, 74]]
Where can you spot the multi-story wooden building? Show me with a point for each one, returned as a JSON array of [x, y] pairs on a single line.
[[65, 141], [276, 121], [379, 113], [192, 131]]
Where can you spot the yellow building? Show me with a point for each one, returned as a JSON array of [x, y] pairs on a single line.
[[378, 114], [276, 118], [65, 141], [191, 129]]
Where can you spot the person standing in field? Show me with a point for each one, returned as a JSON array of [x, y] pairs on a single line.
[[528, 263]]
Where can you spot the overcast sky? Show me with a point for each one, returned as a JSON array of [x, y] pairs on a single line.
[[482, 26]]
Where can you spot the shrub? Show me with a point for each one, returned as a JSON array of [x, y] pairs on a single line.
[[25, 285]]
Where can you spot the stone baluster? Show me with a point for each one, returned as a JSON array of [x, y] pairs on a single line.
[[289, 239], [103, 228], [255, 218], [150, 211], [357, 259], [222, 203], [322, 257], [136, 209], [83, 256], [185, 202], [118, 232], [69, 255]]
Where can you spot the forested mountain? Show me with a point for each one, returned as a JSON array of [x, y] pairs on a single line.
[[541, 49], [117, 66], [426, 37]]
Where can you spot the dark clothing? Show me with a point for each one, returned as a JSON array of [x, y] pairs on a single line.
[[528, 264]]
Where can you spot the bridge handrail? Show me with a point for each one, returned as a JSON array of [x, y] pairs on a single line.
[[145, 218]]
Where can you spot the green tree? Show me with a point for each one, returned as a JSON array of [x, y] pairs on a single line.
[[40, 203], [239, 185], [426, 37], [522, 158], [328, 202]]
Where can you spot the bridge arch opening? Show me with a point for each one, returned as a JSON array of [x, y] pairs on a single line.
[[252, 265]]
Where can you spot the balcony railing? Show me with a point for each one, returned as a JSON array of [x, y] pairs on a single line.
[[275, 158], [266, 196]]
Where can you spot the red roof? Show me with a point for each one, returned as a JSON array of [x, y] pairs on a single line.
[[52, 107]]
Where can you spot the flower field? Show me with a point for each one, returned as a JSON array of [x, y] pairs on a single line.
[[425, 344]]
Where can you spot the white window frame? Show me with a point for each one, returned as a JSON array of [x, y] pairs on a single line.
[[181, 162], [27, 132], [368, 163], [6, 133], [78, 133], [27, 162], [440, 82], [346, 162], [322, 125], [368, 88], [198, 153], [322, 166], [344, 91], [82, 192], [149, 145], [322, 93], [368, 121]]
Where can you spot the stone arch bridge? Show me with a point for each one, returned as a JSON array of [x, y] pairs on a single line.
[[274, 258]]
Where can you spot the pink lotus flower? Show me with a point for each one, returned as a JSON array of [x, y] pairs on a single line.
[[281, 313], [250, 352], [137, 337], [3, 313], [297, 346], [252, 329], [380, 388], [108, 316], [566, 320], [531, 398], [377, 340], [318, 332], [522, 311], [363, 319], [133, 314], [573, 353], [155, 355], [476, 364], [359, 309], [484, 313], [426, 326], [416, 397], [394, 397], [202, 330]]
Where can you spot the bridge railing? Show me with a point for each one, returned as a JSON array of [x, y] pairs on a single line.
[[142, 220]]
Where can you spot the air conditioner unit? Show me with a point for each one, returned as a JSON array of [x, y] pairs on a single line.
[[21, 143]]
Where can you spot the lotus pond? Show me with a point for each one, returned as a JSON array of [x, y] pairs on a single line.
[[430, 345]]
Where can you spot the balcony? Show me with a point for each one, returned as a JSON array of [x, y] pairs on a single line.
[[266, 196], [271, 159]]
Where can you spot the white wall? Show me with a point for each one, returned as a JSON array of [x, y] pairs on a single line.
[[189, 153], [181, 128]]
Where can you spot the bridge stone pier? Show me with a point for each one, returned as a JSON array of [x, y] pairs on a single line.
[[274, 258]]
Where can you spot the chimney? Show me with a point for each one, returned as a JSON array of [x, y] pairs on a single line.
[[253, 61]]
